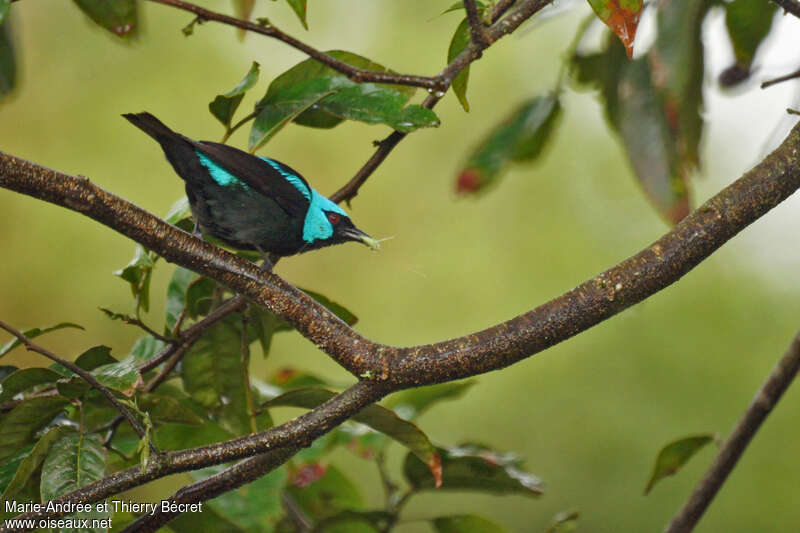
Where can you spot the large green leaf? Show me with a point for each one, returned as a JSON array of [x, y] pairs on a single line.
[[214, 375], [146, 347], [224, 106], [313, 94], [8, 63], [377, 417], [18, 427], [465, 523], [521, 137], [33, 333], [117, 16], [253, 507], [25, 379], [674, 455], [299, 7], [474, 467], [30, 464], [163, 408], [122, 376], [208, 520], [183, 436], [75, 460], [459, 42], [4, 6], [176, 294], [412, 403]]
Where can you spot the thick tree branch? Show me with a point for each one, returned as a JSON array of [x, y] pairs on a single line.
[[390, 368], [86, 376], [230, 479], [354, 73], [761, 406], [499, 29]]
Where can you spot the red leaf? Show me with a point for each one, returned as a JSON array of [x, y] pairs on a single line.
[[468, 181], [435, 464], [307, 474], [622, 16]]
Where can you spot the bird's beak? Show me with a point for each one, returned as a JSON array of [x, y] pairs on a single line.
[[355, 234]]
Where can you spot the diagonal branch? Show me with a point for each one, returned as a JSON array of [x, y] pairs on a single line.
[[229, 479], [88, 377], [354, 73], [789, 6], [761, 406]]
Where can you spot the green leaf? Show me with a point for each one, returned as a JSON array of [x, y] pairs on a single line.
[[176, 294], [377, 417], [95, 357], [8, 64], [122, 376], [367, 102], [412, 403], [214, 374], [322, 491], [521, 137], [674, 455], [253, 507], [351, 521], [117, 16], [4, 6], [180, 214], [164, 408], [283, 108], [7, 370], [459, 42], [622, 16], [29, 465], [75, 460], [564, 522], [465, 523], [25, 379], [748, 24], [146, 347], [224, 106], [208, 520], [33, 333], [648, 119], [9, 468], [138, 273], [25, 420], [474, 467], [292, 378], [299, 7]]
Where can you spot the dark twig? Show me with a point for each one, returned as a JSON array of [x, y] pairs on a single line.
[[789, 6], [500, 9], [476, 28], [497, 30], [354, 73], [89, 378], [761, 406], [787, 77], [234, 477]]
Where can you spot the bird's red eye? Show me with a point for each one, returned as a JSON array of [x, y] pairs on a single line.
[[333, 217]]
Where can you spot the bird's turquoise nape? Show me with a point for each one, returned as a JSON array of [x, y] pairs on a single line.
[[251, 202]]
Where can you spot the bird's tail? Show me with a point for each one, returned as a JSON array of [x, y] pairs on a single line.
[[151, 126]]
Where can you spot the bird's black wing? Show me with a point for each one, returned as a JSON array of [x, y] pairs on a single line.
[[266, 178]]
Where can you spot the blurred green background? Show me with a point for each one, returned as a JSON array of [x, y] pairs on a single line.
[[590, 414]]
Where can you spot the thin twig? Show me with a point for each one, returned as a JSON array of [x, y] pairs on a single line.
[[476, 28], [789, 6], [500, 9], [354, 73], [499, 29], [787, 77], [761, 406], [90, 379]]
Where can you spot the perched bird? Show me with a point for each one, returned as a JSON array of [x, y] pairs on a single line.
[[251, 202]]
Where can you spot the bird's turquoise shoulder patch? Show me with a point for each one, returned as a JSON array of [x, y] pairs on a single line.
[[291, 178], [219, 174]]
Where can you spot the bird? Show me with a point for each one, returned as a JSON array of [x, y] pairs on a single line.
[[251, 202]]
